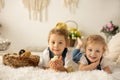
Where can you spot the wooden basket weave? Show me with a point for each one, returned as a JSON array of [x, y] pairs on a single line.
[[70, 24], [18, 61]]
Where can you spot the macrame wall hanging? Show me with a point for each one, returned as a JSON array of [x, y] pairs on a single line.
[[2, 3], [71, 4], [37, 9]]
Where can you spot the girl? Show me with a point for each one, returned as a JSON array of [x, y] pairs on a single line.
[[94, 48], [57, 46]]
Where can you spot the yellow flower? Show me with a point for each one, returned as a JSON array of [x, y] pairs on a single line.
[[74, 33], [61, 25]]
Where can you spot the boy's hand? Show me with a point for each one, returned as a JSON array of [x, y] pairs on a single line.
[[57, 64]]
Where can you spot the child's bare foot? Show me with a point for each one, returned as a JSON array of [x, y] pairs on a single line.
[[79, 44]]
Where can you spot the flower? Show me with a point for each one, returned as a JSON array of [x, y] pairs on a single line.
[[74, 33], [110, 28]]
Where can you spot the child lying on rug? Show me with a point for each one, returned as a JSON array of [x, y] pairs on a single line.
[[57, 46], [94, 47]]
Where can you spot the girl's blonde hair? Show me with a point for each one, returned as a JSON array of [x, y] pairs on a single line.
[[60, 31], [95, 39]]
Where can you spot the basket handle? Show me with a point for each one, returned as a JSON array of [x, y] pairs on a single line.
[[72, 21]]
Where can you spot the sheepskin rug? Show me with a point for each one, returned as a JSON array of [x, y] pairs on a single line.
[[36, 73], [114, 48]]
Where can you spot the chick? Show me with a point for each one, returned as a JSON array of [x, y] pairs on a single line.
[[21, 51], [24, 53], [54, 58]]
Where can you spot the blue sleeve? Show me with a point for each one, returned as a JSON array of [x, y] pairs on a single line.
[[76, 55]]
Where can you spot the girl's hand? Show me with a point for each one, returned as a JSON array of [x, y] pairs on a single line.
[[96, 63], [87, 67]]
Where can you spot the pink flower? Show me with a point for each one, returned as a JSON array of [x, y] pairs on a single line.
[[109, 25], [110, 28]]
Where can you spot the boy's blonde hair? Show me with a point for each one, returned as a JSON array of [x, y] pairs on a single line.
[[95, 39], [60, 31]]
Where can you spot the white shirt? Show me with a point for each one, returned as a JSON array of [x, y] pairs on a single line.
[[44, 59]]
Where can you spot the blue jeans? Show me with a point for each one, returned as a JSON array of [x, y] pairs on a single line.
[[76, 54]]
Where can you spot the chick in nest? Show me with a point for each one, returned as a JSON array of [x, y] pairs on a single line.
[[24, 53]]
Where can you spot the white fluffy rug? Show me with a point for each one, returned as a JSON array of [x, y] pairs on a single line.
[[32, 73]]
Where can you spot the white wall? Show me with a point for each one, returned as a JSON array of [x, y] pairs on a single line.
[[90, 16]]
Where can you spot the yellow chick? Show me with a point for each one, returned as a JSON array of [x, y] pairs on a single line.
[[54, 58]]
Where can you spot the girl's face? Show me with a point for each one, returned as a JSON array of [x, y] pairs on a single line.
[[57, 44], [94, 52]]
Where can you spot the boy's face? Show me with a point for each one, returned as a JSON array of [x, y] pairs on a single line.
[[57, 44], [94, 52]]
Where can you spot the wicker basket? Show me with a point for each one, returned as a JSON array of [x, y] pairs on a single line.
[[14, 60], [71, 42], [71, 23], [4, 44]]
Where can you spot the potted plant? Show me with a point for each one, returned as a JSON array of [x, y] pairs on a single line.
[[110, 30], [74, 33]]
